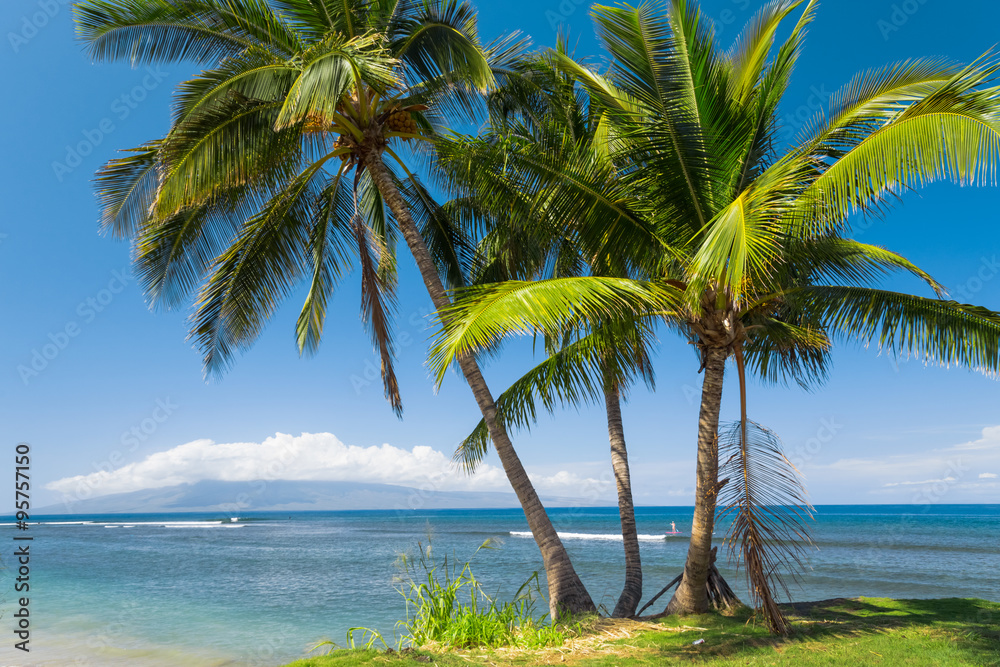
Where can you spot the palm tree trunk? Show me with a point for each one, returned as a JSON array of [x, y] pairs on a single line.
[[691, 595], [566, 591], [628, 601]]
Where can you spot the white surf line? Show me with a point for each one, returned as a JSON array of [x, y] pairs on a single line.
[[63, 523], [164, 524], [590, 536]]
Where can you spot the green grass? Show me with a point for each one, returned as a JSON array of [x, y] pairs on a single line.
[[856, 633], [446, 606]]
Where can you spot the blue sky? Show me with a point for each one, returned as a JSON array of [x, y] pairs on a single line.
[[123, 389]]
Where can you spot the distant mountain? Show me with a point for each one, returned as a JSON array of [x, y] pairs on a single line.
[[290, 496]]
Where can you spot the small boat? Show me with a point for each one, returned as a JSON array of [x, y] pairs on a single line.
[[673, 530], [234, 519]]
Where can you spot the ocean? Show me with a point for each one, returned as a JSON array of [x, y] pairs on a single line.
[[200, 590]]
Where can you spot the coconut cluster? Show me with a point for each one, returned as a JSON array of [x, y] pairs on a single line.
[[342, 142], [401, 121]]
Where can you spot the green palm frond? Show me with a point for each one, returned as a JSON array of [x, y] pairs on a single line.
[[147, 31], [766, 502], [779, 352], [439, 38], [127, 188], [378, 307], [255, 74], [528, 180], [445, 229], [878, 94], [172, 255], [849, 262], [576, 374], [938, 331], [258, 269], [230, 146], [480, 317], [740, 244], [315, 19], [330, 242], [750, 52], [940, 137], [330, 71], [652, 62]]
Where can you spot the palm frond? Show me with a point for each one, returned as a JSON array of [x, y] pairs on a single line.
[[254, 274], [439, 38], [148, 31], [330, 243], [315, 19], [766, 502], [780, 352], [938, 331], [378, 309], [329, 72], [943, 136], [444, 228], [255, 75], [749, 54], [845, 261], [480, 317], [172, 255], [576, 374], [126, 189], [229, 146]]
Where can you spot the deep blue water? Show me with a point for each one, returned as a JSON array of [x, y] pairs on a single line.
[[261, 591]]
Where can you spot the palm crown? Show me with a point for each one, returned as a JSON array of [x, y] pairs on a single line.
[[263, 179]]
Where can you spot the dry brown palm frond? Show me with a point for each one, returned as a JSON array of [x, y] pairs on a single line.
[[767, 503]]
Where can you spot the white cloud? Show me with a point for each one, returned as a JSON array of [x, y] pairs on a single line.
[[924, 476], [311, 456], [924, 481], [989, 441]]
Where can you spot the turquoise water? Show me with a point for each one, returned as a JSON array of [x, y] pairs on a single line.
[[263, 590]]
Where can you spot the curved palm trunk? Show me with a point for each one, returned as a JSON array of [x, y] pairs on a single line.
[[691, 595], [628, 601], [566, 592]]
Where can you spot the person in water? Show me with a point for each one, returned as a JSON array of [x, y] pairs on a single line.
[[673, 527]]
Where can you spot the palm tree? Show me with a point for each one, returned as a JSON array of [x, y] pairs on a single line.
[[278, 169], [541, 109], [735, 220]]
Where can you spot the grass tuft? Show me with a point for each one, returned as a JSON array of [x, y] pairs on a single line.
[[447, 606]]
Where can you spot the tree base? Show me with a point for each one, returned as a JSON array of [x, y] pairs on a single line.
[[720, 595]]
